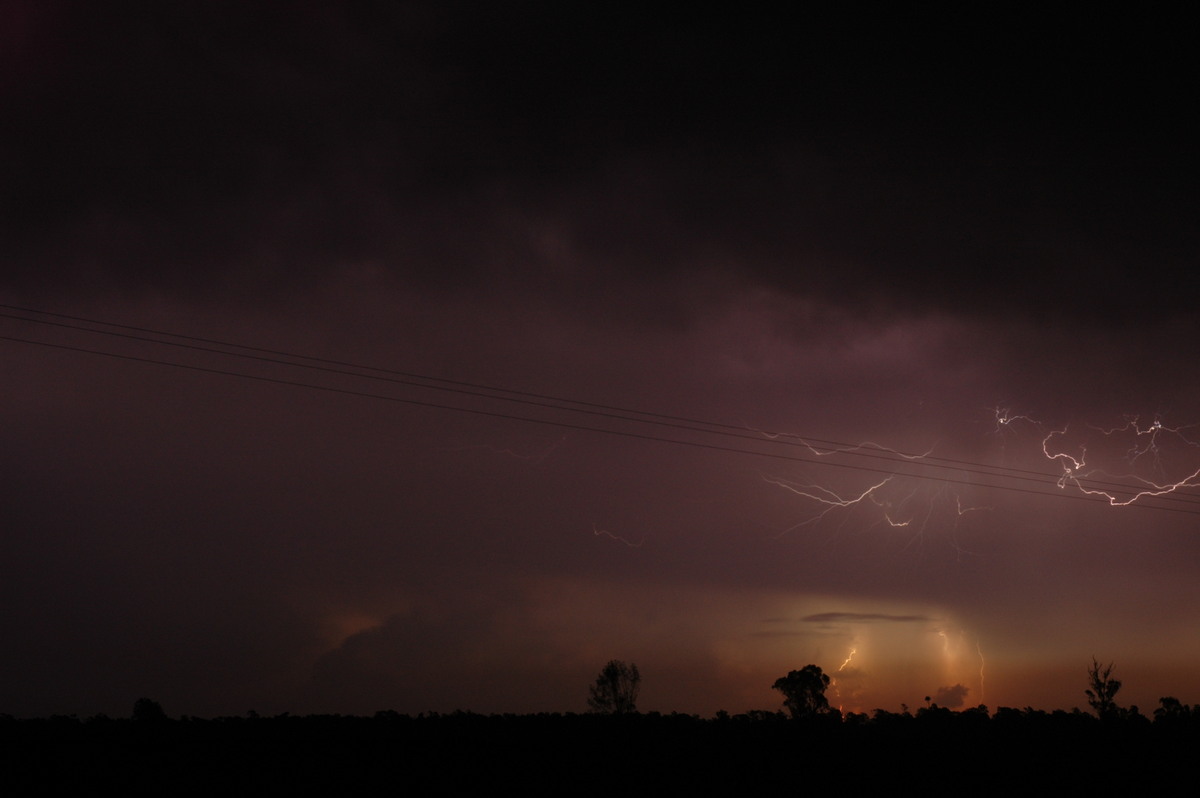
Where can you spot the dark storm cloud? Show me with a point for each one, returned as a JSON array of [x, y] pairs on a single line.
[[844, 230], [863, 617], [951, 697], [396, 662], [1008, 167]]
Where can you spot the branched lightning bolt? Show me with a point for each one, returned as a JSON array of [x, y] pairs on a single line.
[[887, 507], [1071, 465], [1074, 472], [825, 451], [833, 681], [824, 496], [1006, 418], [896, 506], [597, 531], [1150, 432], [1152, 489], [961, 511], [897, 511]]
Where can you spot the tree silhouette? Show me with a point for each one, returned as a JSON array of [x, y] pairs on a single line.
[[1172, 711], [1102, 693], [616, 689], [146, 710], [804, 692]]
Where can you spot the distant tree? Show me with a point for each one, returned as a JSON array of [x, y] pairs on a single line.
[[804, 692], [1103, 690], [1172, 711], [616, 689], [147, 711]]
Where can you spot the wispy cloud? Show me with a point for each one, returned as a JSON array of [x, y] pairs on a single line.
[[863, 617]]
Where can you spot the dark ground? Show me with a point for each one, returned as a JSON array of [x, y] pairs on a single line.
[[936, 751]]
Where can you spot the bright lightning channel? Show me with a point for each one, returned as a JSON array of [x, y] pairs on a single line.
[[1075, 467], [1006, 418], [979, 649], [833, 681], [830, 500], [825, 451]]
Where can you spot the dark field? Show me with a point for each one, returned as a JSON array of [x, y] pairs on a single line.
[[936, 751]]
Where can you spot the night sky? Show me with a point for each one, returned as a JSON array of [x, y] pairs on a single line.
[[427, 356]]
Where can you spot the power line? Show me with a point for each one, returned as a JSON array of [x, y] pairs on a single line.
[[561, 424], [817, 446], [609, 411]]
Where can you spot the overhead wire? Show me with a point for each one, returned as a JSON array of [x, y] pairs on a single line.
[[818, 446], [819, 449]]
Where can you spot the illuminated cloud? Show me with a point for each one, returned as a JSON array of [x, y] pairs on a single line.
[[951, 697]]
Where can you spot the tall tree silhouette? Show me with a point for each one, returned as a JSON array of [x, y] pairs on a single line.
[[804, 691], [1102, 693], [616, 689]]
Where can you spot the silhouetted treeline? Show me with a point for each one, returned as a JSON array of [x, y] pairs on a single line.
[[938, 749]]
